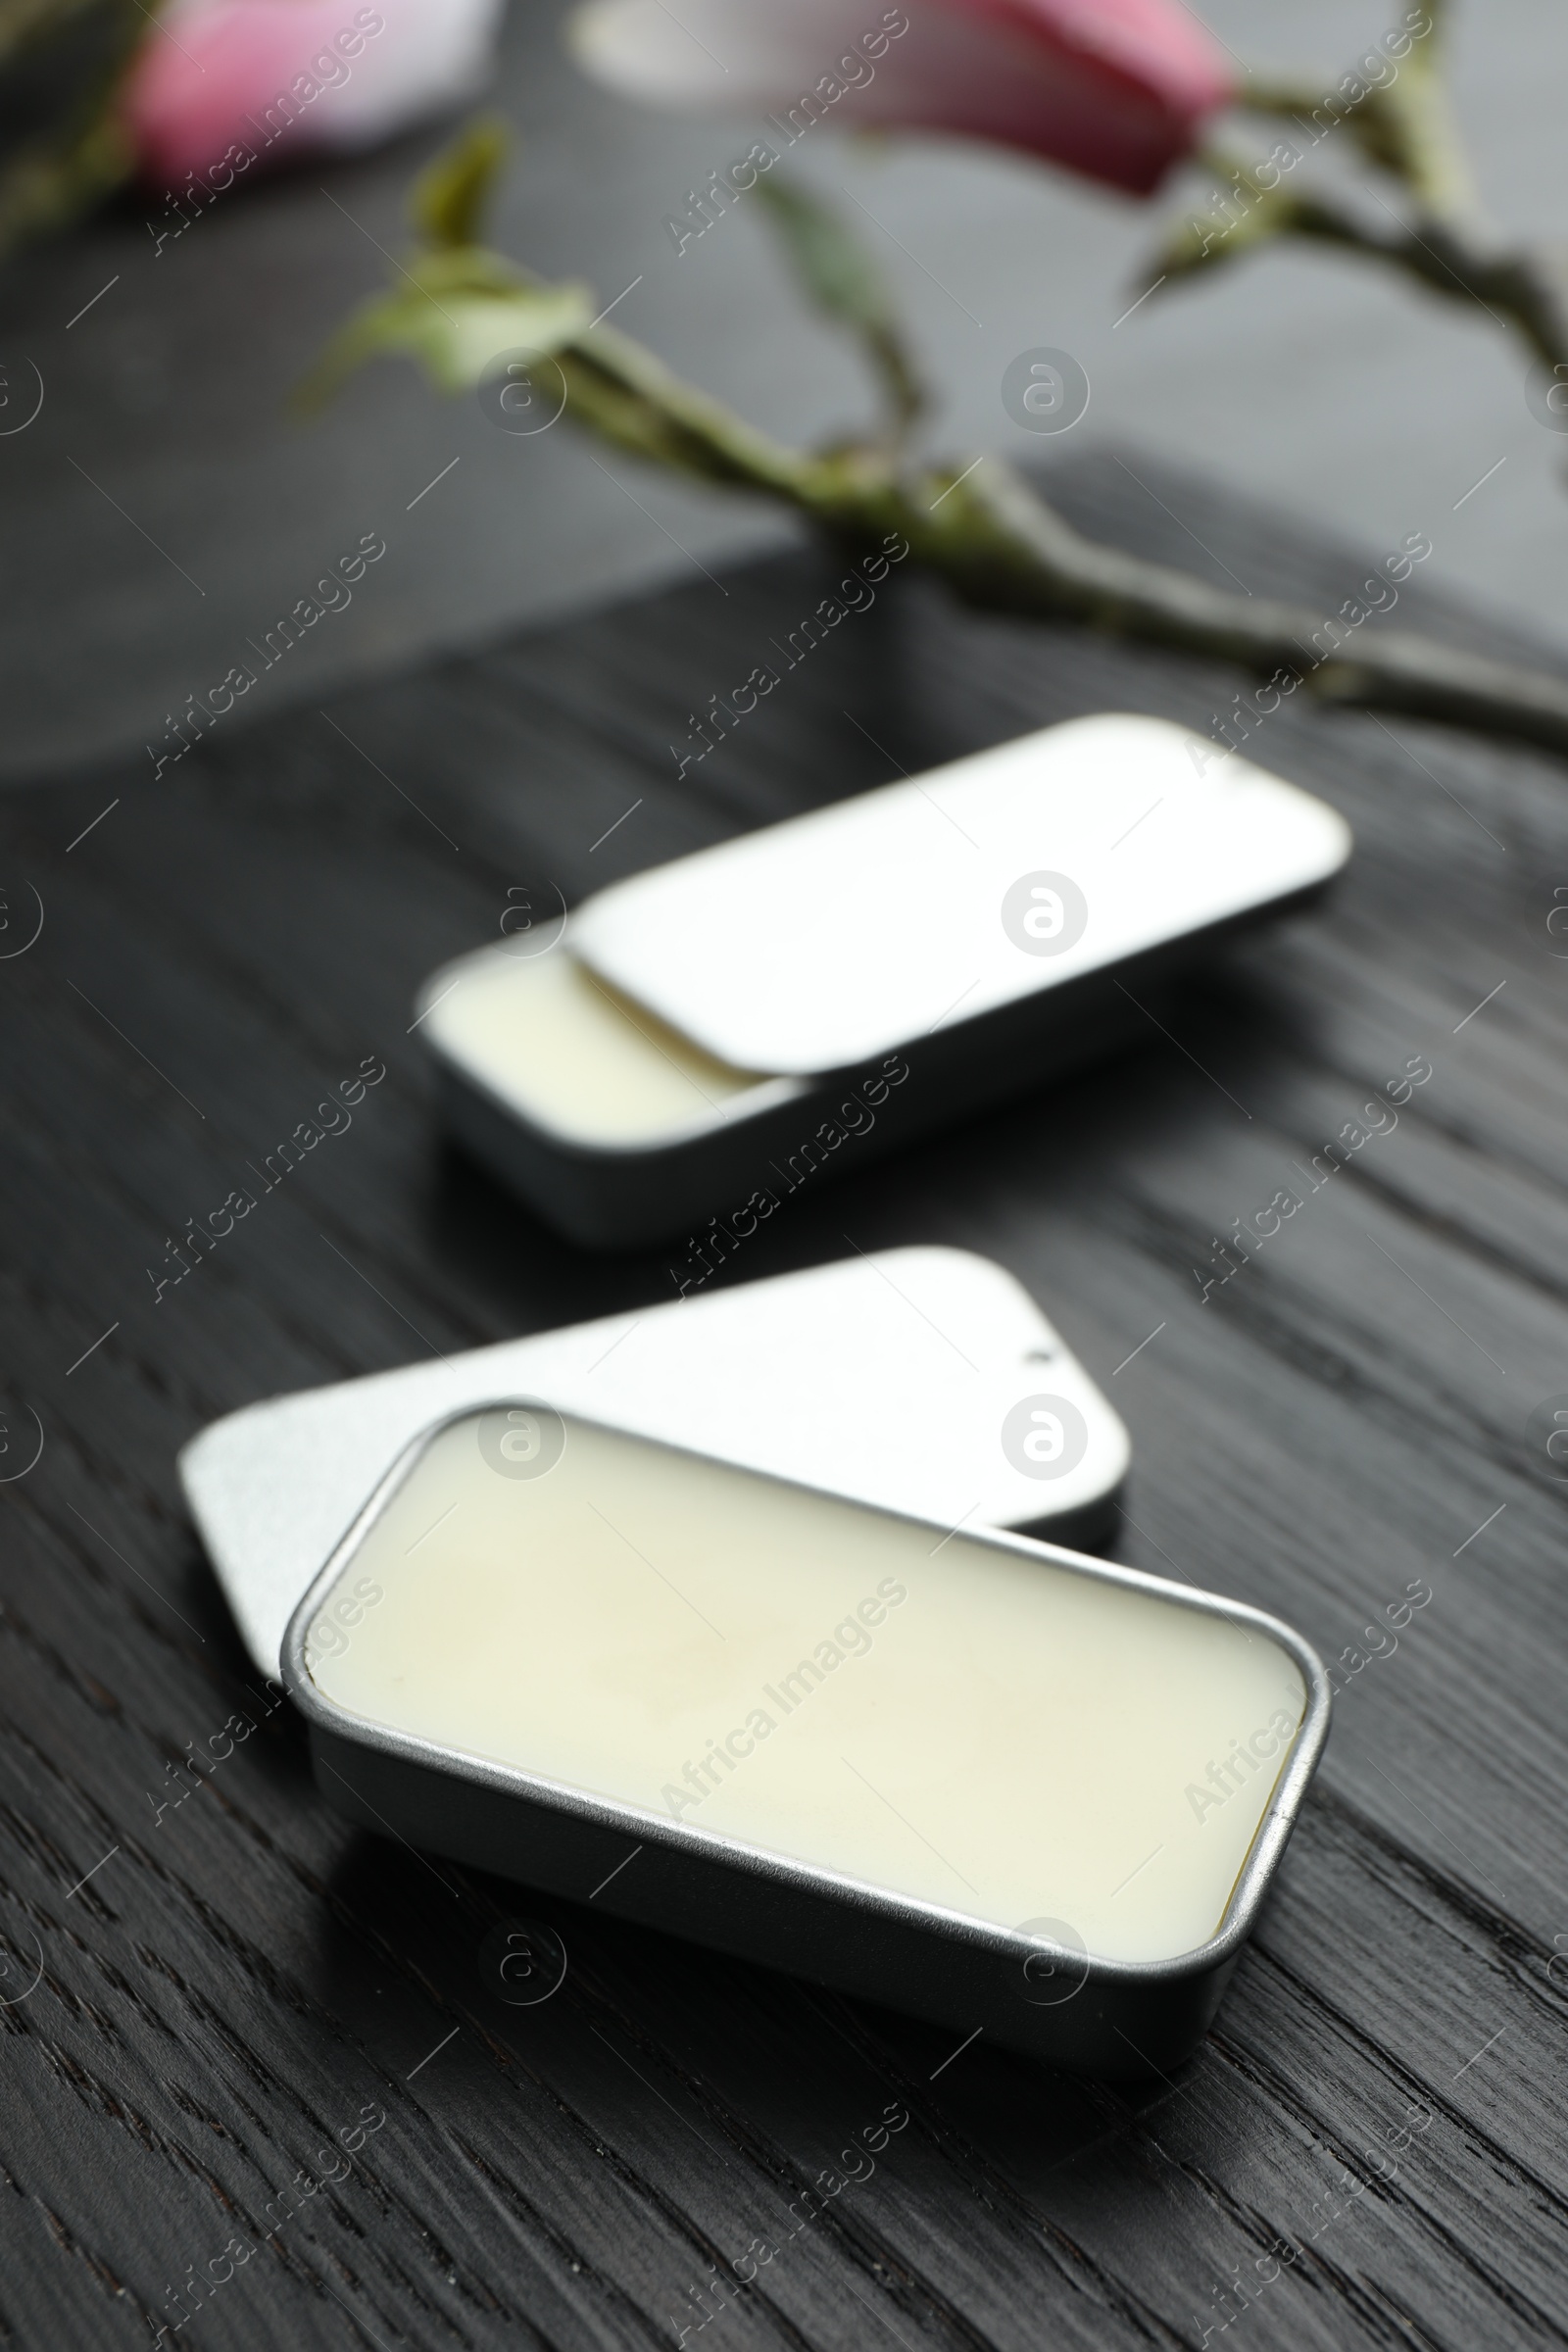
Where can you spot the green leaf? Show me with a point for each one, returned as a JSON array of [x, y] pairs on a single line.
[[835, 270], [453, 312], [448, 200], [840, 278]]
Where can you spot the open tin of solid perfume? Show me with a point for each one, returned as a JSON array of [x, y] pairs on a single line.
[[997, 1783], [700, 1040], [926, 1379]]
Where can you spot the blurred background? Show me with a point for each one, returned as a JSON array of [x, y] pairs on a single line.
[[163, 508]]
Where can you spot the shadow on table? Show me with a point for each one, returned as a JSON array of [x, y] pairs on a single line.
[[629, 2028]]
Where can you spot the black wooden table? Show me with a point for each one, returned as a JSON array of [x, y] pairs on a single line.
[[246, 2044]]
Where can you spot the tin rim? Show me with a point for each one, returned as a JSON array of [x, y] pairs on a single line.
[[1248, 1892]]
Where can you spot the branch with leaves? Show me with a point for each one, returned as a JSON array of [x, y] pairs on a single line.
[[1432, 231], [979, 526]]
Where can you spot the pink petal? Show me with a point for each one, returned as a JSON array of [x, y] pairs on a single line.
[[293, 74], [1118, 90]]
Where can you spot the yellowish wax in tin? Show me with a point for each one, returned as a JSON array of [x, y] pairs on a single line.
[[984, 1731], [544, 1033]]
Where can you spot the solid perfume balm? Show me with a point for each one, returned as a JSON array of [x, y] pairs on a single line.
[[969, 1724]]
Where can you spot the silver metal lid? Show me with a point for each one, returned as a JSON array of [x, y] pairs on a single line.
[[910, 1379], [834, 938]]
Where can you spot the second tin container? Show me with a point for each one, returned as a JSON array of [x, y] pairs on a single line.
[[701, 1040]]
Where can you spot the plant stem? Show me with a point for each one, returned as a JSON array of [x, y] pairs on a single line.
[[1404, 127], [1442, 253], [1025, 557], [1001, 547], [994, 540]]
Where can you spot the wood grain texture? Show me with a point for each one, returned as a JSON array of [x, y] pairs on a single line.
[[1369, 2147]]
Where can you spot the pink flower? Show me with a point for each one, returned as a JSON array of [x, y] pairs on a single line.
[[292, 75], [1118, 90]]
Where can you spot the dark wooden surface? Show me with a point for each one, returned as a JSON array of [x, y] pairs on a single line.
[[1370, 2144]]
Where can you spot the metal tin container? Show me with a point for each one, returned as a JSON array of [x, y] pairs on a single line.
[[1041, 1985], [696, 1043], [900, 1377]]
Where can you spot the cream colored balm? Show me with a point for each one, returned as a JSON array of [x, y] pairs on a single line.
[[979, 1725], [593, 1067]]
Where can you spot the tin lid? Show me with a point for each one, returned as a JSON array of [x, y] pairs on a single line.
[[836, 936], [912, 1378]]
